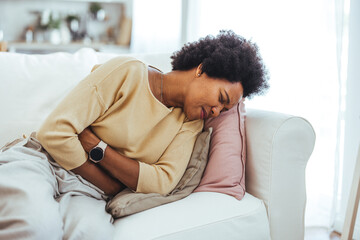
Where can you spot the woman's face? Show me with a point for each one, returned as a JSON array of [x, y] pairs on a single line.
[[208, 96]]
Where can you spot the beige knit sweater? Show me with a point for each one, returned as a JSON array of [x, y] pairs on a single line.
[[116, 101]]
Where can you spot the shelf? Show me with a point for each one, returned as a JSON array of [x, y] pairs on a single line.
[[118, 14], [71, 47], [87, 1]]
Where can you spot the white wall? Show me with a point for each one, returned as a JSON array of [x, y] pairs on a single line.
[[156, 26], [352, 113]]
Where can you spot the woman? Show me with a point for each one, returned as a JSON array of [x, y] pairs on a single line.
[[125, 125]]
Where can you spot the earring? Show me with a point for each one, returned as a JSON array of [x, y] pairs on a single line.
[[198, 74]]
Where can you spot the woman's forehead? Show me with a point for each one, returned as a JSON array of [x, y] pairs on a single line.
[[234, 90]]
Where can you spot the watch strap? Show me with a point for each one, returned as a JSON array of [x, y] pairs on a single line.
[[102, 145]]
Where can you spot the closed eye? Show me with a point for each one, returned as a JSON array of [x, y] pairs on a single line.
[[221, 98], [228, 98]]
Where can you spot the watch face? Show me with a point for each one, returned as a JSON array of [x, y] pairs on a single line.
[[96, 154]]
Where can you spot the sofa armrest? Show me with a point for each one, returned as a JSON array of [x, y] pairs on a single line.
[[278, 148]]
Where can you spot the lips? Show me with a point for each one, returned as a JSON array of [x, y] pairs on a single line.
[[203, 114]]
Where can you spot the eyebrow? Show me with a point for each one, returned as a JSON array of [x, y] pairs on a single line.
[[228, 99]]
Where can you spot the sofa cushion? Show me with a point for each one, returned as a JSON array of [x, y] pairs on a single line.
[[225, 171], [201, 215], [32, 85], [127, 202]]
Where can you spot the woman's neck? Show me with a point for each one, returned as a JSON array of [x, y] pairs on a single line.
[[175, 86]]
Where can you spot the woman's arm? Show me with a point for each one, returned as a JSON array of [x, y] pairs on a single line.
[[116, 166], [99, 178], [124, 169], [160, 177]]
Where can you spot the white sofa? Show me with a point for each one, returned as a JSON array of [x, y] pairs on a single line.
[[278, 148]]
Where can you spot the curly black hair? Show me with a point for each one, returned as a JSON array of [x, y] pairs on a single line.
[[228, 56]]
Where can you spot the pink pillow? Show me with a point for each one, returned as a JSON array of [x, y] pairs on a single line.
[[225, 171]]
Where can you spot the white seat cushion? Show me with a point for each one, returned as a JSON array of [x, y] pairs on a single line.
[[201, 215]]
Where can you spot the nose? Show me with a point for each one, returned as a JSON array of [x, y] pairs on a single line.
[[215, 111]]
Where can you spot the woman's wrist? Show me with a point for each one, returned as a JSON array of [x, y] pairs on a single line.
[[88, 139]]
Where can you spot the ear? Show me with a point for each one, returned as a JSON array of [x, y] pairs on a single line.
[[199, 70]]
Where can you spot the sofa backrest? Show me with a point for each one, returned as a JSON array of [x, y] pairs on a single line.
[[32, 85]]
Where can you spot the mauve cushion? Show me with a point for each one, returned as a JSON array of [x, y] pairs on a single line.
[[225, 170]]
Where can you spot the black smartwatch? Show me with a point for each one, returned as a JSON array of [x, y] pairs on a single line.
[[97, 153]]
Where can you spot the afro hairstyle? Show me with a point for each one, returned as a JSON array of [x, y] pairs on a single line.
[[228, 56]]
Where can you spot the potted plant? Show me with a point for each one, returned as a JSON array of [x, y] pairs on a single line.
[[96, 11], [53, 28]]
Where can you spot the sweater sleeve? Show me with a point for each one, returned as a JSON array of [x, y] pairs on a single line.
[[163, 176], [89, 100]]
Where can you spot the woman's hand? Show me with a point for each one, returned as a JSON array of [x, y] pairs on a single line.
[[88, 139]]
